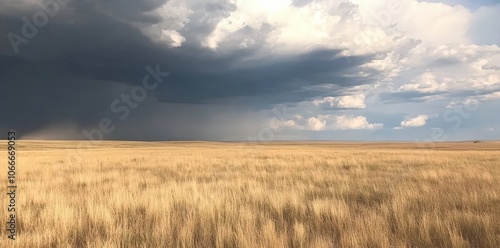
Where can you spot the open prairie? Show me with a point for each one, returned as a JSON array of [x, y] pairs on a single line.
[[201, 194]]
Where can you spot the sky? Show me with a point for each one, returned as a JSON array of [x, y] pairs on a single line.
[[228, 70]]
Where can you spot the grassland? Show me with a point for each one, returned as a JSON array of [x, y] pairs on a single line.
[[137, 194]]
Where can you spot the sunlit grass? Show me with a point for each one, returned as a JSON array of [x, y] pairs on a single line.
[[125, 194]]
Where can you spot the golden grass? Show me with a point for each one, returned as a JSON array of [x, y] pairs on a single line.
[[178, 194]]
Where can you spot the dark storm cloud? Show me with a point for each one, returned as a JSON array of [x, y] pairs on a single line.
[[491, 67], [87, 55], [417, 96], [472, 93], [291, 78], [300, 3], [39, 93], [408, 96]]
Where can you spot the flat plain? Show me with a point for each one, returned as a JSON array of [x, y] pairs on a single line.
[[294, 194]]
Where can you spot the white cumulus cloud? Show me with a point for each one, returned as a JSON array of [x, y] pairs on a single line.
[[326, 122], [316, 123], [418, 121], [343, 122], [343, 102]]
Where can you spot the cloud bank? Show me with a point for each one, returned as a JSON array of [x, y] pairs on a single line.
[[357, 68]]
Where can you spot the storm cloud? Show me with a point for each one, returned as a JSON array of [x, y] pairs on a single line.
[[65, 66]]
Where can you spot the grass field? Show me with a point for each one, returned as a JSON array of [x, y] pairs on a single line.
[[180, 194]]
